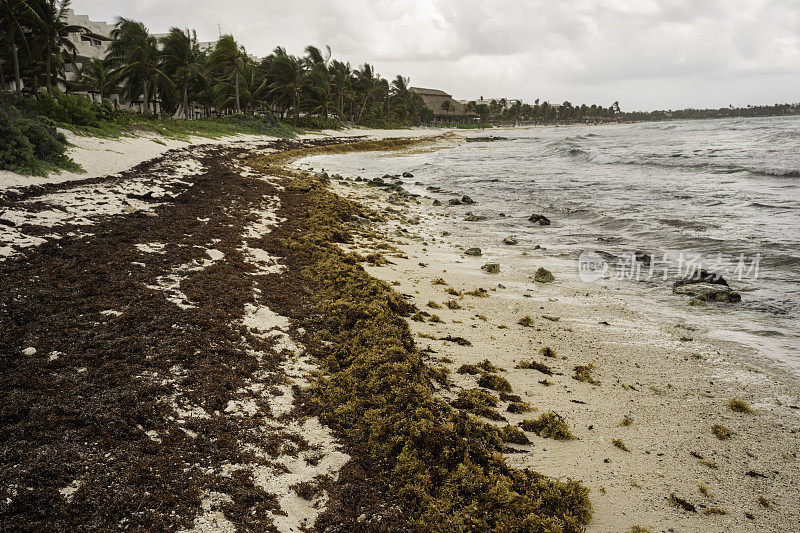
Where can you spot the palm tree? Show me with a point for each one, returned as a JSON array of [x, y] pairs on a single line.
[[229, 59], [52, 33], [342, 81], [15, 16], [182, 62], [367, 83], [134, 56], [94, 77], [290, 79], [401, 97]]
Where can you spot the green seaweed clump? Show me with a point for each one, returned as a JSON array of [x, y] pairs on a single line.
[[583, 373], [494, 382], [488, 366], [480, 292], [514, 435], [739, 406], [543, 276], [547, 351], [626, 421], [453, 304], [535, 365], [441, 468], [619, 444], [519, 407], [434, 305], [549, 425], [526, 321], [491, 268], [478, 401], [721, 432]]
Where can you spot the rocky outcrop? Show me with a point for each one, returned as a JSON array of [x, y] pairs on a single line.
[[709, 292], [541, 219]]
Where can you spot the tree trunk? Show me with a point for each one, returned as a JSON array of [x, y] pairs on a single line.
[[47, 71], [238, 107], [17, 77], [146, 102], [186, 102]]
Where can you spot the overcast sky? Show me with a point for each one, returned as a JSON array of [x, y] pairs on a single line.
[[648, 54]]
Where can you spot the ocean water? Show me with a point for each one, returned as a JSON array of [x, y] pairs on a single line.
[[723, 195]]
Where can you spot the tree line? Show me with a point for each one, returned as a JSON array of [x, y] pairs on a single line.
[[185, 79], [502, 111]]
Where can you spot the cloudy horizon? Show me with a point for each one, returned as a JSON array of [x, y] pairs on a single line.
[[646, 54]]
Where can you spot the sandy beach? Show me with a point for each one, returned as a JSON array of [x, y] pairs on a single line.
[[669, 379], [167, 304]]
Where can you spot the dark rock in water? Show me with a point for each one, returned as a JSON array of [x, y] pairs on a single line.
[[323, 175], [359, 178], [543, 276], [502, 215], [709, 292], [643, 257], [471, 217], [510, 240], [417, 183], [377, 180], [454, 201], [387, 176], [473, 251], [437, 202], [467, 200], [408, 175], [541, 219], [702, 276]]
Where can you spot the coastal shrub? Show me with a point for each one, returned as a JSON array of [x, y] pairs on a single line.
[[549, 425], [67, 108], [739, 406], [441, 468], [314, 122], [30, 145]]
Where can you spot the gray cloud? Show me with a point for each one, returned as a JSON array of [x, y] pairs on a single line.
[[645, 53]]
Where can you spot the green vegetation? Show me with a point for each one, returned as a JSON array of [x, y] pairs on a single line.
[[515, 436], [444, 467], [31, 145], [739, 406], [626, 421], [549, 425], [433, 305]]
